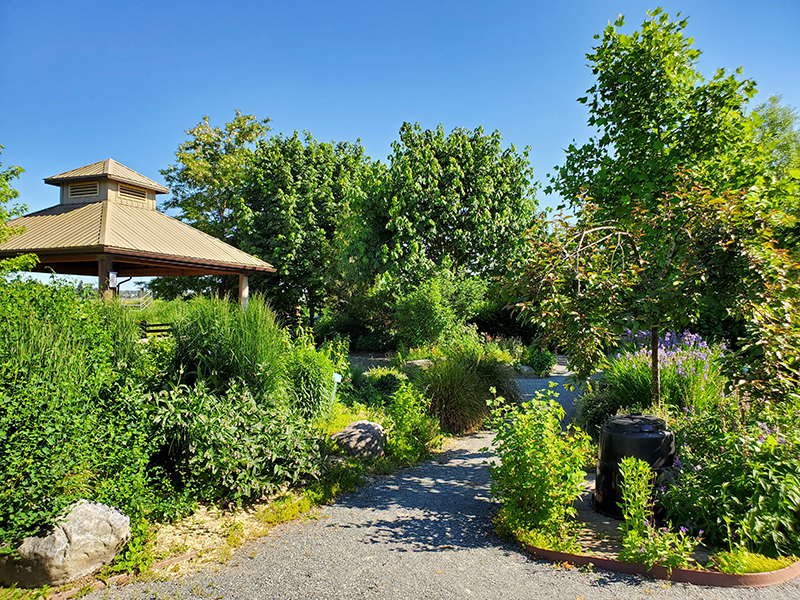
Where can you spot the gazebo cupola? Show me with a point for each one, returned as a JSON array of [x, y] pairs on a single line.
[[107, 222], [110, 181]]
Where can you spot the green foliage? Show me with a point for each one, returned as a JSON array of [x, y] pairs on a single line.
[[457, 197], [298, 204], [642, 541], [385, 381], [217, 343], [208, 178], [541, 360], [229, 446], [654, 115], [540, 473], [8, 193], [436, 307], [71, 427], [736, 476], [459, 384], [740, 561], [411, 432], [309, 377]]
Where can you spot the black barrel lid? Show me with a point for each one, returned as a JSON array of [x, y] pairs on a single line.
[[636, 423]]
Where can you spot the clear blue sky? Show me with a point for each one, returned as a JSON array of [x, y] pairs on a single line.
[[81, 81]]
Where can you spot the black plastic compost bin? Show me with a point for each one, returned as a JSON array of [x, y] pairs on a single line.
[[644, 436]]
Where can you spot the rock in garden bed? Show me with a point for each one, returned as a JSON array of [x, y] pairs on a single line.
[[89, 536]]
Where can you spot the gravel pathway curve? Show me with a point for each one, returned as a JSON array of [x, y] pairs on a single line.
[[423, 532]]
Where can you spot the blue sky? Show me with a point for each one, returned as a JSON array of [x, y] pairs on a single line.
[[81, 81]]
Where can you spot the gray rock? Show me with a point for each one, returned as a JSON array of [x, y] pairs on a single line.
[[88, 537], [362, 439], [526, 370], [412, 367]]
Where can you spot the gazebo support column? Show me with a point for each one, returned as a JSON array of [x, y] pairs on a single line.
[[104, 266], [244, 291]]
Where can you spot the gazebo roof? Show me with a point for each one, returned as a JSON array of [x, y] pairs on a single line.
[[107, 169], [73, 237]]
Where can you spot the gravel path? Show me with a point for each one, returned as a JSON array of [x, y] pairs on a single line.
[[423, 532], [566, 397]]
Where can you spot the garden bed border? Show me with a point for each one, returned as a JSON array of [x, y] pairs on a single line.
[[693, 576]]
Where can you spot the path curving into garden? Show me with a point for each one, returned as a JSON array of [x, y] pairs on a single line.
[[423, 532]]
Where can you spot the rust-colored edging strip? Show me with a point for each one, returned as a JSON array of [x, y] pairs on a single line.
[[696, 577]]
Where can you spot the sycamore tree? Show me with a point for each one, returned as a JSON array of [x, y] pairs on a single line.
[[458, 199], [296, 215]]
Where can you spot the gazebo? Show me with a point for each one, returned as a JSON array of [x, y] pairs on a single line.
[[107, 224]]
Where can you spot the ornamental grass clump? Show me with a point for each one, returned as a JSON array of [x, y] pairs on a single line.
[[458, 385]]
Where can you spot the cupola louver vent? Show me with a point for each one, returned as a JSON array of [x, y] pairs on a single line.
[[131, 192], [84, 190]]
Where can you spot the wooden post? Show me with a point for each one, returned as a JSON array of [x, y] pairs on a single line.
[[244, 291], [104, 265]]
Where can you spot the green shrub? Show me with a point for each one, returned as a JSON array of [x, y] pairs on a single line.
[[70, 424], [386, 380], [411, 432], [596, 407], [737, 475], [217, 343], [422, 316], [541, 360], [540, 473], [230, 447]]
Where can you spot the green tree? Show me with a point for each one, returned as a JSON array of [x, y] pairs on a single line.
[[655, 114], [210, 172], [592, 279], [7, 194], [207, 183], [296, 214], [457, 197], [778, 133]]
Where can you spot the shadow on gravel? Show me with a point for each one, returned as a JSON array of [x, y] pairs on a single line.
[[430, 507]]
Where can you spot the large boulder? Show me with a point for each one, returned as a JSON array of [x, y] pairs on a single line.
[[86, 538], [362, 439]]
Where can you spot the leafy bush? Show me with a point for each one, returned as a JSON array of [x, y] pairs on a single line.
[[422, 316], [594, 408], [642, 541], [230, 447], [411, 432], [436, 307], [540, 472], [217, 343], [70, 425], [541, 360], [737, 475]]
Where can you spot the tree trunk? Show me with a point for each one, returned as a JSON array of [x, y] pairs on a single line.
[[654, 368]]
